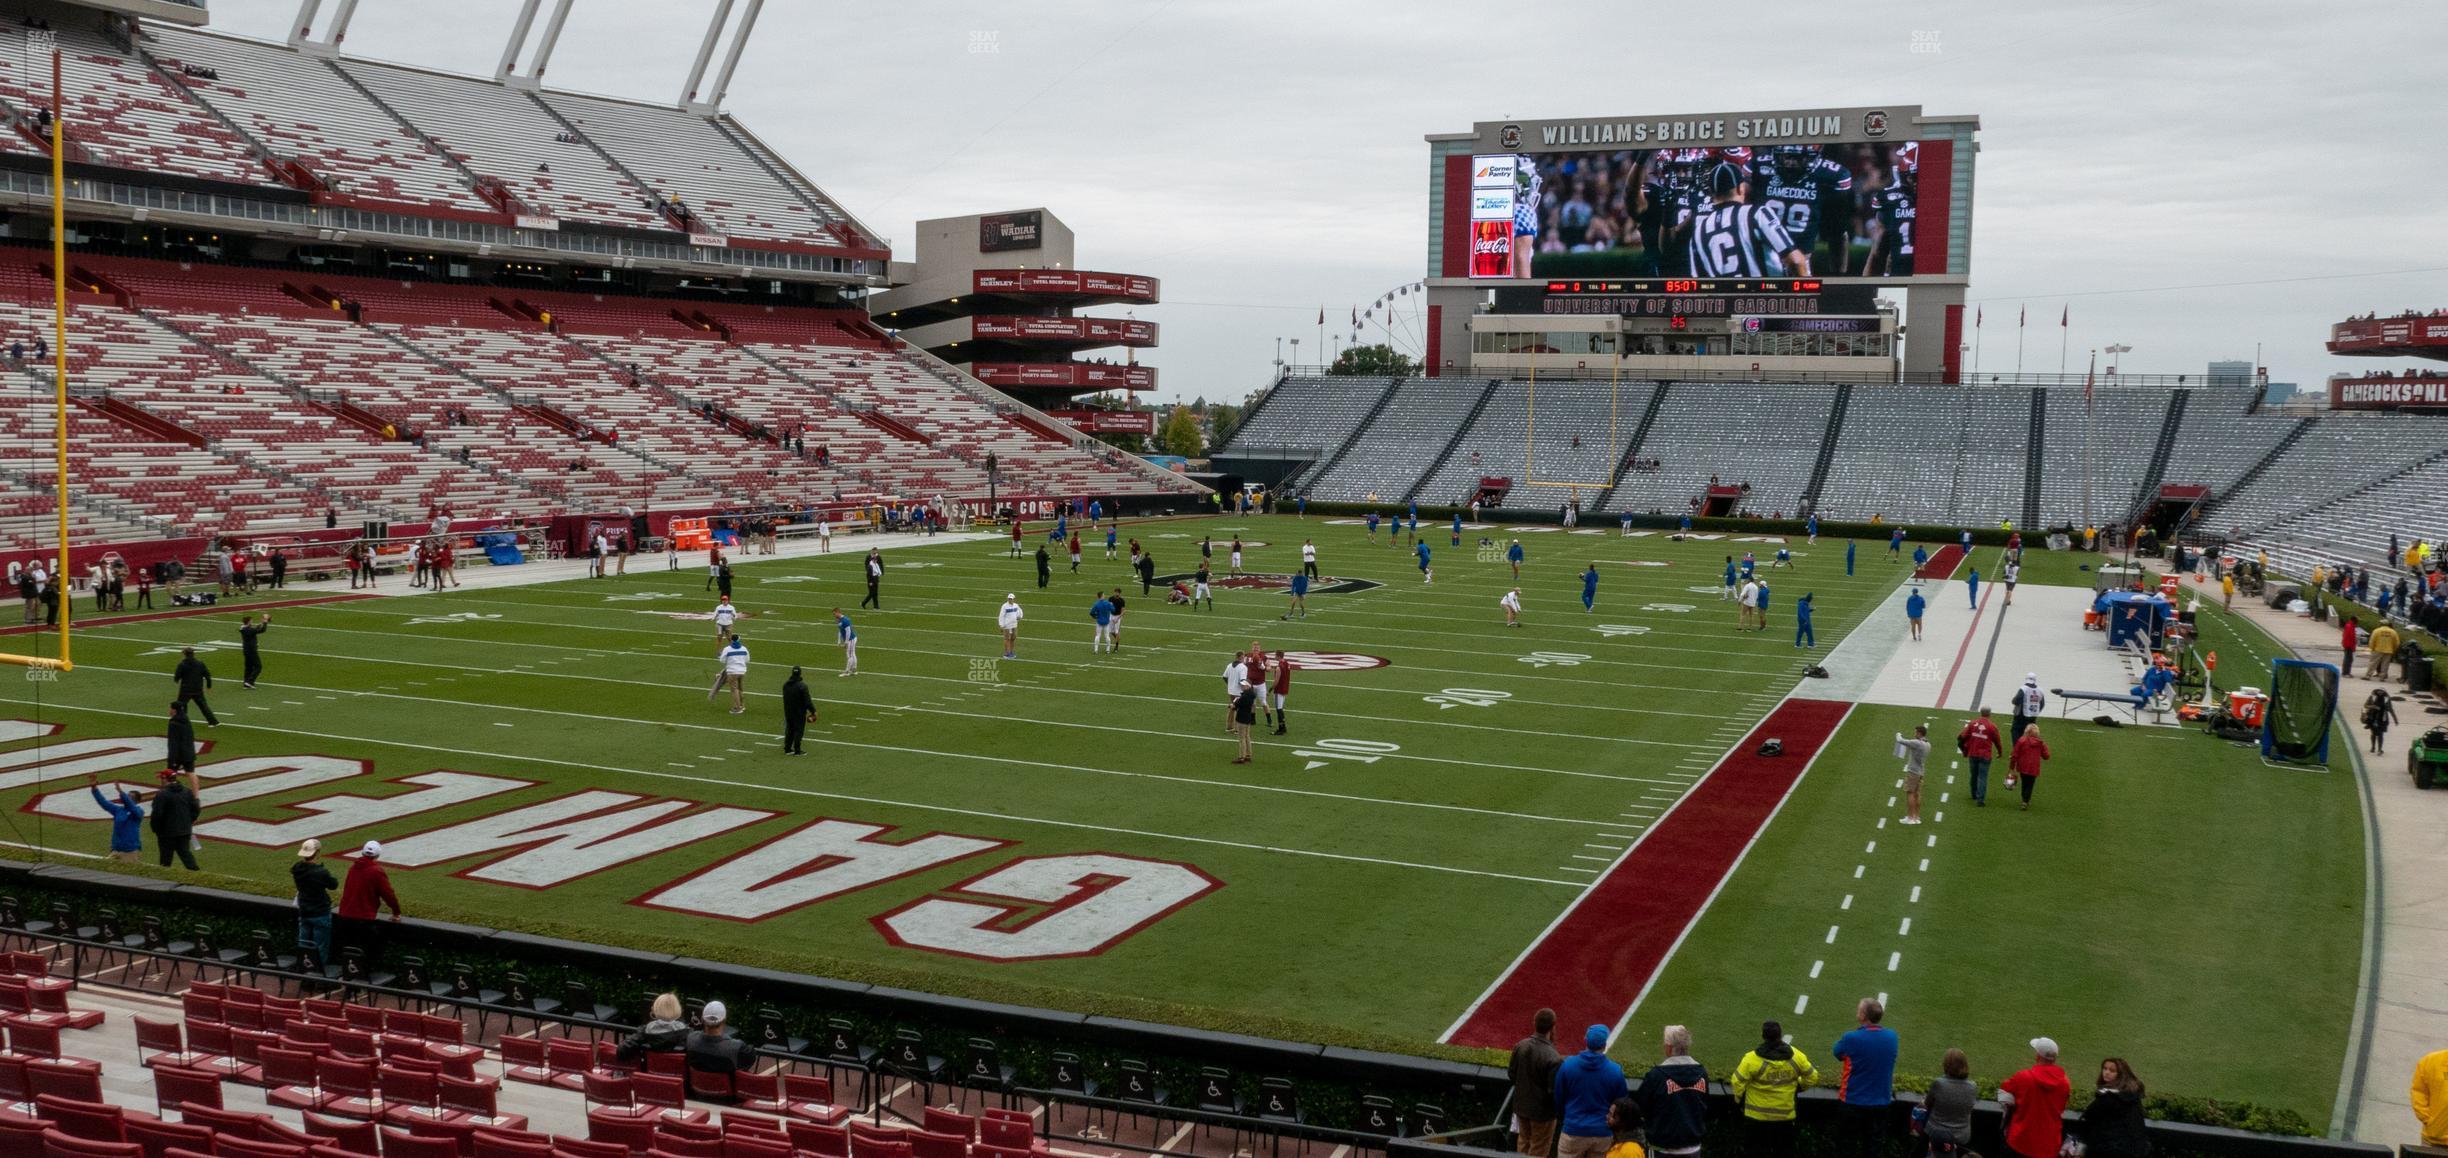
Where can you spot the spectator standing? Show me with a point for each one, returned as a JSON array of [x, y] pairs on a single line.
[[731, 672], [280, 569], [664, 1032], [1673, 1098], [711, 1050], [875, 575], [1947, 1107], [2428, 1095], [2383, 648], [2378, 713], [798, 711], [362, 896], [1765, 1084], [314, 884], [1045, 567], [2113, 1125], [1587, 1085], [1533, 1071], [1979, 744], [1803, 635], [192, 678], [127, 820], [1915, 750], [1867, 1088], [1914, 607], [1624, 1133], [2029, 753], [2035, 1103], [174, 815], [2350, 635]]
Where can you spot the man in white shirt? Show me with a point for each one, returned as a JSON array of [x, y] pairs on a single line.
[[603, 551], [734, 674], [1512, 607], [416, 564], [1009, 620], [1309, 558], [824, 535], [724, 616], [1750, 602], [1236, 678]]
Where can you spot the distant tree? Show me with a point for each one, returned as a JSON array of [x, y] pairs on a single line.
[[1180, 433], [1378, 361], [1223, 421]]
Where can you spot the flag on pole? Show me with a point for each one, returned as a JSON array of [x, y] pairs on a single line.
[[2061, 318], [1355, 315], [2088, 376], [1978, 314], [2022, 315]]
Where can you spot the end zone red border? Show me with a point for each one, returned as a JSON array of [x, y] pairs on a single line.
[[1600, 955], [111, 620]]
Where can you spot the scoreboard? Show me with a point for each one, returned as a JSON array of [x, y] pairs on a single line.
[[1689, 298]]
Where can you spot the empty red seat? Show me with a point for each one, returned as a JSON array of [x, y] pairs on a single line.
[[59, 1144], [96, 1121], [353, 1137], [159, 1138], [175, 1087], [402, 1144]]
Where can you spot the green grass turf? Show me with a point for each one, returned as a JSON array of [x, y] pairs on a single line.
[[1363, 902], [2167, 899]]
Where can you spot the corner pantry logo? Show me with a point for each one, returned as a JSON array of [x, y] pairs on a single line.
[[531, 836]]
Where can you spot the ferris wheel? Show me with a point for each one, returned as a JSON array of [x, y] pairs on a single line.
[[1398, 318]]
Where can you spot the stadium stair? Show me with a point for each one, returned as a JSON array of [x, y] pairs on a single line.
[[661, 197], [2245, 481], [1827, 447], [1461, 430], [489, 189], [2147, 492], [1037, 428], [1640, 437], [1360, 429], [2034, 459], [2333, 499], [289, 172], [152, 426]]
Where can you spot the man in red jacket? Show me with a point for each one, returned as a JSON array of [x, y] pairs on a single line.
[[362, 896], [2352, 634], [2035, 1100], [2029, 752], [1979, 743]]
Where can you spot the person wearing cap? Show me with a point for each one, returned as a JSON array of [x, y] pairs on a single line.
[[2029, 701], [798, 711], [1866, 1087], [847, 636], [713, 1051], [127, 814], [665, 1033], [1586, 1085], [1533, 1071], [2035, 1103], [362, 896], [1673, 1098], [1765, 1084], [314, 884], [1007, 619]]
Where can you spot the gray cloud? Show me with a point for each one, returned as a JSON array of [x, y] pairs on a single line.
[[1264, 158]]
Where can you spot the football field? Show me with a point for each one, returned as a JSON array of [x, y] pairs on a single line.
[[1067, 828]]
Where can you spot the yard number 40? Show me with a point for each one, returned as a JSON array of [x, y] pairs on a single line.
[[1466, 698]]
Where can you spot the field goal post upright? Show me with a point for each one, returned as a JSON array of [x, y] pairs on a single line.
[[40, 667], [1530, 475]]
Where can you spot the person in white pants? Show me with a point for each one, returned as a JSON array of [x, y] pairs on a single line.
[[724, 616], [1009, 620], [1512, 607]]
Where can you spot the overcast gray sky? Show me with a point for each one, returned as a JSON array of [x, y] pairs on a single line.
[[2192, 179]]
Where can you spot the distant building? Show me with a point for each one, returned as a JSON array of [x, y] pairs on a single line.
[[2231, 374]]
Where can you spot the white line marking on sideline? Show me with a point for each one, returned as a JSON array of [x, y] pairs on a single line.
[[1801, 1003], [1882, 999], [1916, 894], [1925, 864], [1933, 841], [1831, 935], [1857, 871], [1940, 818], [1905, 930], [1872, 848], [1847, 903], [1893, 960]]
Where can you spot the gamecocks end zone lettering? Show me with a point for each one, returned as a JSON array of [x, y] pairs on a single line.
[[1086, 903], [821, 860]]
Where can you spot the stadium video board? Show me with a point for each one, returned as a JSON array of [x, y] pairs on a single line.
[[1846, 193]]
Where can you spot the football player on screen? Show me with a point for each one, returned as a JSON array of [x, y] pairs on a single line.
[[1734, 239], [1892, 196], [1813, 197]]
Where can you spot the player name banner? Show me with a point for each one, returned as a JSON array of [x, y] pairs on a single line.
[[1110, 421], [2383, 333], [1074, 374], [1063, 281], [2388, 393]]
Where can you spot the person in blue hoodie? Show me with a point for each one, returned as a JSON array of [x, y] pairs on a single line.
[[1914, 605], [1972, 588], [127, 821], [1586, 1085]]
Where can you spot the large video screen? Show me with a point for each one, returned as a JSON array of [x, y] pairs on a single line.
[[1837, 210]]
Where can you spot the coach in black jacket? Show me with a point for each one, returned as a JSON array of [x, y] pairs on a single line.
[[798, 709], [193, 677], [174, 816], [181, 736]]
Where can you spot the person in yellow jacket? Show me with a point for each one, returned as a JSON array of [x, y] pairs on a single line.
[[2383, 648], [2430, 1097], [1764, 1085]]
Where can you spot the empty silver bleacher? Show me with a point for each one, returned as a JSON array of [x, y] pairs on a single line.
[[2336, 456], [1764, 434], [1575, 432], [1310, 414], [1930, 454], [1417, 422], [2115, 434], [2218, 441]]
